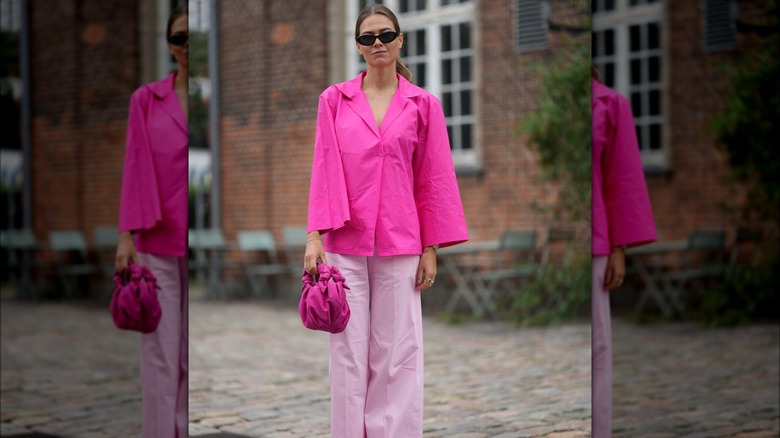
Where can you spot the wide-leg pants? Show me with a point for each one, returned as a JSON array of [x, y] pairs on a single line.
[[601, 351], [164, 364], [376, 364]]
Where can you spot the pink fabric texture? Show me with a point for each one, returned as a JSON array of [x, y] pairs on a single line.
[[134, 305], [376, 363], [601, 351], [155, 180], [323, 305], [164, 354], [395, 186], [621, 211]]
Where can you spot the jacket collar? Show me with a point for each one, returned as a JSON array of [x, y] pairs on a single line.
[[163, 89], [353, 90]]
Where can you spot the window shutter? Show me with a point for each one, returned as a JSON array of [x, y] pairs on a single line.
[[531, 24], [720, 16]]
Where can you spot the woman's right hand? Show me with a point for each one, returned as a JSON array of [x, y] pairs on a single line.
[[125, 252], [314, 251]]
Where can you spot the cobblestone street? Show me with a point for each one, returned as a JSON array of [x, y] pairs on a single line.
[[256, 372]]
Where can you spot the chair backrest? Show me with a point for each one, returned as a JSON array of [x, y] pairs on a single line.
[[518, 240], [209, 238], [19, 239], [257, 240], [71, 240], [294, 236], [106, 237], [702, 240]]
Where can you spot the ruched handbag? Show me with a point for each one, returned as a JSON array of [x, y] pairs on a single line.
[[134, 305], [323, 304]]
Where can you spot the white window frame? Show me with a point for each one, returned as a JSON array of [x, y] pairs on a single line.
[[431, 21], [620, 20]]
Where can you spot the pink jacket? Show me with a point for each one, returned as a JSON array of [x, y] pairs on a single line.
[[393, 187], [154, 182], [621, 212]]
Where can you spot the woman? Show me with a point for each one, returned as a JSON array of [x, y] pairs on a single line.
[[153, 220], [622, 217], [384, 198]]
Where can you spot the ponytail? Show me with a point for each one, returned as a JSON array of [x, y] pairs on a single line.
[[401, 68]]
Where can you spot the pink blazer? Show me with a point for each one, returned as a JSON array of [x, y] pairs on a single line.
[[154, 182], [621, 211], [392, 187]]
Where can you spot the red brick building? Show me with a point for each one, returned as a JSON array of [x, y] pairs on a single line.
[[276, 57], [667, 58]]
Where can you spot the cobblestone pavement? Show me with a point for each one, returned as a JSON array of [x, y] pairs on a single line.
[[679, 380], [256, 372]]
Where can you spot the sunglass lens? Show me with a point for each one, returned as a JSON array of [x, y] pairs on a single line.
[[178, 39], [387, 37], [366, 40]]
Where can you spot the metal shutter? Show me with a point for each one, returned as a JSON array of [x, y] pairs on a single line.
[[720, 25], [531, 24]]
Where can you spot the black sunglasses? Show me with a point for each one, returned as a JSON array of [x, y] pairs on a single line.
[[368, 40], [178, 39]]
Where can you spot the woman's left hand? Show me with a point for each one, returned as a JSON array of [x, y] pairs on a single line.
[[426, 271], [616, 269]]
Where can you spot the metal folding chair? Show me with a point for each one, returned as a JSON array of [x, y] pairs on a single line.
[[703, 259], [72, 260], [294, 244], [206, 244], [258, 274], [20, 246], [514, 262], [104, 242]]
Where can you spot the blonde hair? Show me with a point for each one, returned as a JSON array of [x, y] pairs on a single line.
[[377, 8]]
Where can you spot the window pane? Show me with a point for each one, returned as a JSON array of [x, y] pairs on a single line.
[[609, 42], [653, 38], [465, 69], [465, 36], [636, 71], [639, 136], [655, 137], [419, 79], [419, 40], [449, 134], [655, 102], [609, 74], [446, 40], [465, 137], [609, 5], [403, 6], [654, 65], [636, 104], [446, 71], [594, 43], [465, 102], [635, 38], [421, 5], [446, 103]]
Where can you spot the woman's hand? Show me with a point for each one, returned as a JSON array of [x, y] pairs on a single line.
[[616, 269], [125, 252], [426, 271], [314, 252]]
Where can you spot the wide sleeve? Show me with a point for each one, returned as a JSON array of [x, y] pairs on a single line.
[[139, 206], [328, 201], [626, 199], [436, 194]]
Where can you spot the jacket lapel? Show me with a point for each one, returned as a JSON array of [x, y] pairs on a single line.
[[169, 101]]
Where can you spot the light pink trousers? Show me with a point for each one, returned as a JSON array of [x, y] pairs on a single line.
[[376, 364], [164, 352], [601, 352]]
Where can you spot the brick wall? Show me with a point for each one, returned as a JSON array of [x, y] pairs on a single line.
[[693, 194], [84, 63], [273, 66]]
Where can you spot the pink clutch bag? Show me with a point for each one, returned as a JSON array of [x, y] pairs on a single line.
[[323, 304], [134, 305]]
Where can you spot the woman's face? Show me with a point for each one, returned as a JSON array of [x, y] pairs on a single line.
[[179, 27], [379, 54]]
